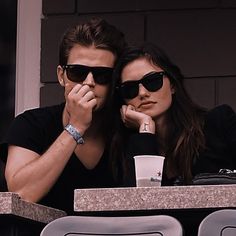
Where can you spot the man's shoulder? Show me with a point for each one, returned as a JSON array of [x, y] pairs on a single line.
[[42, 113]]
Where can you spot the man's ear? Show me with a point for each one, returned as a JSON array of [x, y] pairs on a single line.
[[60, 76]]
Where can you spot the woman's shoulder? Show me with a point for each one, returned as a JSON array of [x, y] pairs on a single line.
[[221, 111], [222, 115]]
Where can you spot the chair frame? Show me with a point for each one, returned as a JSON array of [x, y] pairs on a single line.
[[127, 225], [219, 223]]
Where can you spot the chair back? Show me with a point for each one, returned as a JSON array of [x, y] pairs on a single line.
[[160, 225], [219, 223]]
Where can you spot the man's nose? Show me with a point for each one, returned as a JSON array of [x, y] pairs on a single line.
[[89, 80]]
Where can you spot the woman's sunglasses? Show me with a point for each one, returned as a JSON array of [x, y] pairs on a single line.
[[78, 73], [151, 81]]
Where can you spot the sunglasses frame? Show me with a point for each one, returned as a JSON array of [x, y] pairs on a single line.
[[135, 83], [102, 75]]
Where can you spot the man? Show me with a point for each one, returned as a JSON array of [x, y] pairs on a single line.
[[54, 150]]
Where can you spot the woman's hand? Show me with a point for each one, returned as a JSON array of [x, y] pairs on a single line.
[[137, 120], [80, 102]]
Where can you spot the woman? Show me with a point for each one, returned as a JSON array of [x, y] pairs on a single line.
[[158, 117], [54, 150]]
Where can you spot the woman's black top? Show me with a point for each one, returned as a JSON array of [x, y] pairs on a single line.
[[219, 153]]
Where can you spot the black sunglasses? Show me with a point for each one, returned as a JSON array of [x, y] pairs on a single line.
[[151, 81], [78, 73]]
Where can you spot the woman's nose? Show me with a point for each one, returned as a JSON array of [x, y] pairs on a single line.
[[142, 91]]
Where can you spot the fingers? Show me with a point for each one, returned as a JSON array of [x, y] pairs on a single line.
[[80, 103], [128, 116], [86, 96], [79, 99], [68, 88], [129, 112], [79, 90], [134, 119], [122, 112], [92, 103], [79, 93], [125, 112]]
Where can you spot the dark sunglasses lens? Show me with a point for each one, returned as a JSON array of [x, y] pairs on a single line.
[[76, 73], [102, 75], [129, 90], [153, 82]]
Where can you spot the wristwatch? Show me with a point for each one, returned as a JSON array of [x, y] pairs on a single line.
[[74, 133]]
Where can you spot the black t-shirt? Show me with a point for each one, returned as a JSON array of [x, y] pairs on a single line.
[[36, 130]]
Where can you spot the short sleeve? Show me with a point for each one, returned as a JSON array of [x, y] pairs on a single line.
[[36, 129]]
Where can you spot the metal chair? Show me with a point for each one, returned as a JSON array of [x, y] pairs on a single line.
[[160, 225], [219, 223]]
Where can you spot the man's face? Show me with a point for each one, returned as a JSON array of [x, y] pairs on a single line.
[[91, 57]]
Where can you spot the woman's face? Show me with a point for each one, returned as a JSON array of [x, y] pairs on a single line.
[[92, 57], [154, 104]]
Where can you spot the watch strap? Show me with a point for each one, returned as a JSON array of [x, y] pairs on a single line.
[[74, 133]]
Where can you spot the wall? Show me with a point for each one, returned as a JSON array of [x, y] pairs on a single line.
[[199, 36]]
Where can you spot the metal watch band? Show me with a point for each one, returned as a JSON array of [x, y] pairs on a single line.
[[74, 133]]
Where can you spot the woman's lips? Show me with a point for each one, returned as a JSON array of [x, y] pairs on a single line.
[[146, 104]]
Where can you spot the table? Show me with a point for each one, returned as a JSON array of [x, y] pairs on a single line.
[[19, 217], [189, 204]]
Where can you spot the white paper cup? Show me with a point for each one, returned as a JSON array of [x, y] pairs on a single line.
[[148, 170]]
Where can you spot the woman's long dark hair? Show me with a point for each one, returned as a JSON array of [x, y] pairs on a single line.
[[185, 136]]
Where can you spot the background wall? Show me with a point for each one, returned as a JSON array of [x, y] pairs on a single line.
[[199, 36]]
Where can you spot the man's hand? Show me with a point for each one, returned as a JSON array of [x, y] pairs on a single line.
[[80, 102]]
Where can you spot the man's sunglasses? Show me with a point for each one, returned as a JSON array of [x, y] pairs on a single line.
[[78, 73], [151, 81]]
